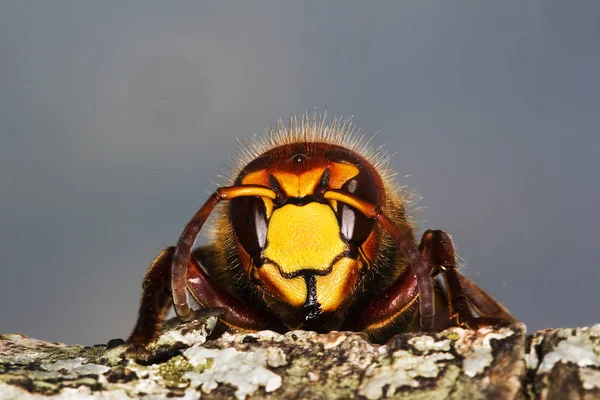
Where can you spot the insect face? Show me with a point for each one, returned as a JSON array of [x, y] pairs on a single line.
[[301, 249]]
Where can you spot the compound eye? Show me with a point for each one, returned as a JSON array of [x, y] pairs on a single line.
[[354, 225], [249, 219]]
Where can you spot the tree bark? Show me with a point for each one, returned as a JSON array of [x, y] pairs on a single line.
[[189, 361]]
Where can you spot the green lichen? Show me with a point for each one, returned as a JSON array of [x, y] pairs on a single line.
[[452, 335], [44, 387], [173, 370]]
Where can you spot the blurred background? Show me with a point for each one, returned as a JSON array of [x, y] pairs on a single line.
[[115, 117]]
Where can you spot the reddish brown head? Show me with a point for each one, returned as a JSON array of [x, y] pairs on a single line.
[[301, 249]]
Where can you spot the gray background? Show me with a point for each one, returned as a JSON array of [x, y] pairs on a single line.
[[116, 116]]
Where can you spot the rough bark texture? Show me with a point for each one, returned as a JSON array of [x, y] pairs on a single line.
[[187, 362]]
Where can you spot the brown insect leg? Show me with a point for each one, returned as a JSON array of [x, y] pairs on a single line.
[[482, 302], [390, 305], [420, 269], [237, 314], [189, 235], [438, 249], [156, 299], [154, 305]]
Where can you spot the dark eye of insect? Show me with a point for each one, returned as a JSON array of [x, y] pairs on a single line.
[[249, 220], [354, 225]]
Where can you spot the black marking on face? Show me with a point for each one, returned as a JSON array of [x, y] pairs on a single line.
[[352, 252], [280, 197], [311, 307], [325, 178], [302, 201]]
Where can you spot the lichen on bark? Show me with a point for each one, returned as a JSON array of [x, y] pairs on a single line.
[[188, 362]]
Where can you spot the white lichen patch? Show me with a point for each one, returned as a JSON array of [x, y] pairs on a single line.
[[149, 381], [384, 380], [590, 378], [80, 393], [312, 376], [276, 357], [269, 336], [426, 344], [531, 358], [245, 370], [191, 394], [334, 339], [425, 367], [77, 366], [115, 355], [575, 349], [19, 349], [594, 331], [68, 365], [362, 357], [301, 337], [189, 338], [261, 336], [479, 355], [564, 332]]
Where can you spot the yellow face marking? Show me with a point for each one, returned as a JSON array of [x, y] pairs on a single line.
[[260, 177], [333, 288], [341, 173], [299, 185], [334, 205], [268, 207], [304, 184], [303, 237], [290, 291]]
